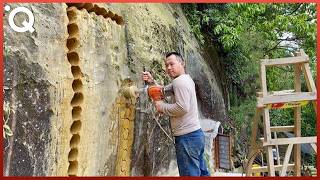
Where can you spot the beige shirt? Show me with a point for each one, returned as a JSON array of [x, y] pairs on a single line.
[[184, 110]]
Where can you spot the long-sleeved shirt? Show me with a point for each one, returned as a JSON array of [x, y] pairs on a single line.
[[184, 110]]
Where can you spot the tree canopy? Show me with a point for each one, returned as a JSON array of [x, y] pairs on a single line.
[[246, 33]]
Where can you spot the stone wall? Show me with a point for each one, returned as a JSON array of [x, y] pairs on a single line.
[[64, 85]]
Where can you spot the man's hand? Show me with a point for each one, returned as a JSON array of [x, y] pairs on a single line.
[[157, 104], [146, 76]]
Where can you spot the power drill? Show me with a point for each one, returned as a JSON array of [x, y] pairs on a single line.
[[155, 92]]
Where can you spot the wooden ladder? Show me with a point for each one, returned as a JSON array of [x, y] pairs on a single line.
[[282, 99]]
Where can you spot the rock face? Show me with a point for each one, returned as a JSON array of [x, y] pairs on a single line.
[[64, 84]]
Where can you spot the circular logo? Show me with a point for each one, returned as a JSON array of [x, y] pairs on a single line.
[[27, 25]]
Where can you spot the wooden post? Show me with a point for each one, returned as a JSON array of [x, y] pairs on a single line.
[[309, 80], [267, 138], [297, 122], [286, 160], [263, 80], [267, 130]]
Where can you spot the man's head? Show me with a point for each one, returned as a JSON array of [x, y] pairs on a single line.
[[174, 64]]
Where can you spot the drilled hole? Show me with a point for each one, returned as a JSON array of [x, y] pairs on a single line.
[[77, 99], [79, 5], [76, 72], [76, 112], [71, 13], [101, 11], [72, 43], [73, 154], [73, 168], [70, 4], [77, 85], [88, 6], [73, 58], [114, 17], [94, 9], [119, 20], [75, 127], [73, 29], [74, 142], [109, 15]]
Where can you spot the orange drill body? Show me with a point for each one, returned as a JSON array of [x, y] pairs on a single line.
[[156, 93]]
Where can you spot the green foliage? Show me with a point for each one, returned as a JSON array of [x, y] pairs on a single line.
[[242, 120], [308, 124], [248, 32], [245, 33], [285, 117]]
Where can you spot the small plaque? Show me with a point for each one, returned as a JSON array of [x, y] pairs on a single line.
[[223, 151]]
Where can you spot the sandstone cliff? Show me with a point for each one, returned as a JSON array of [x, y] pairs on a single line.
[[64, 82]]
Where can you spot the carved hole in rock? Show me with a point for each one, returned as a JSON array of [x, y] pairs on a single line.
[[72, 15], [73, 154], [88, 6], [74, 142], [101, 11], [73, 168], [77, 85], [73, 58], [77, 99], [109, 14], [94, 9], [76, 112], [72, 43], [115, 17], [75, 127], [76, 72], [119, 20], [78, 5], [73, 29]]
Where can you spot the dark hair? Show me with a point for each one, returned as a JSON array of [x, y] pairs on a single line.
[[178, 55]]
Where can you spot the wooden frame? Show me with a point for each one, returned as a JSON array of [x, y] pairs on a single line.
[[284, 61], [271, 99], [301, 66], [293, 140]]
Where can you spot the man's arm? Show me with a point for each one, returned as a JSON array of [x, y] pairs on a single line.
[[182, 104]]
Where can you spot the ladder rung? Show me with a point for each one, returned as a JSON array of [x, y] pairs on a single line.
[[282, 128], [284, 92], [293, 140], [276, 168], [298, 96], [284, 61]]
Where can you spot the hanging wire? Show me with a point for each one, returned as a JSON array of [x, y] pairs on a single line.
[[156, 116]]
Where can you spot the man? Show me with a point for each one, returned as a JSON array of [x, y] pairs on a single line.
[[189, 138]]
